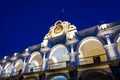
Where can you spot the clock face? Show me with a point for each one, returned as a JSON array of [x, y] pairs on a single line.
[[58, 28]]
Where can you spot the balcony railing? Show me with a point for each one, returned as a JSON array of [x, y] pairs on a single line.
[[33, 69], [63, 64], [82, 61], [58, 65], [5, 73], [92, 59], [17, 72]]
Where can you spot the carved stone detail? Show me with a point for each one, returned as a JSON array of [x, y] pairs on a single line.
[[60, 28]]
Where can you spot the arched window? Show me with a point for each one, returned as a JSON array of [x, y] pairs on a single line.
[[18, 67], [34, 62], [58, 56], [89, 47]]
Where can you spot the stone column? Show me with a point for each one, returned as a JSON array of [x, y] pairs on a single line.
[[72, 53], [13, 58], [44, 66], [111, 49], [44, 49], [106, 31], [25, 55], [24, 64], [71, 43]]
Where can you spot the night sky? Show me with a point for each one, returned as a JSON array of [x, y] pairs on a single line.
[[25, 23]]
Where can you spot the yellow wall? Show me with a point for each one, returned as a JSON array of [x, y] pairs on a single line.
[[92, 48]]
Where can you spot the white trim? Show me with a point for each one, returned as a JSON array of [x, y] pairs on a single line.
[[88, 39], [7, 65], [18, 62], [35, 62], [54, 59], [33, 55], [118, 39]]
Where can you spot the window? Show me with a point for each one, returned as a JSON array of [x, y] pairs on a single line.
[[59, 53]]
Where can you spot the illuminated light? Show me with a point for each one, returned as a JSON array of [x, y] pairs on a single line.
[[5, 57], [15, 54], [27, 49]]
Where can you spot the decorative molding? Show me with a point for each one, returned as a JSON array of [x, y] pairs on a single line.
[[60, 28]]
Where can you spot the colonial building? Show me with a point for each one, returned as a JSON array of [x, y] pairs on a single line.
[[68, 54]]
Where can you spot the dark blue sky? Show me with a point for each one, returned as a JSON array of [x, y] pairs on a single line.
[[24, 23]]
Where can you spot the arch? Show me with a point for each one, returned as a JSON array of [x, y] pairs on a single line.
[[55, 50], [18, 65], [7, 69], [58, 76], [117, 40], [58, 53], [88, 39], [118, 44], [0, 69], [35, 56], [54, 62], [54, 59], [96, 74], [19, 61], [90, 46], [34, 61], [7, 65]]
